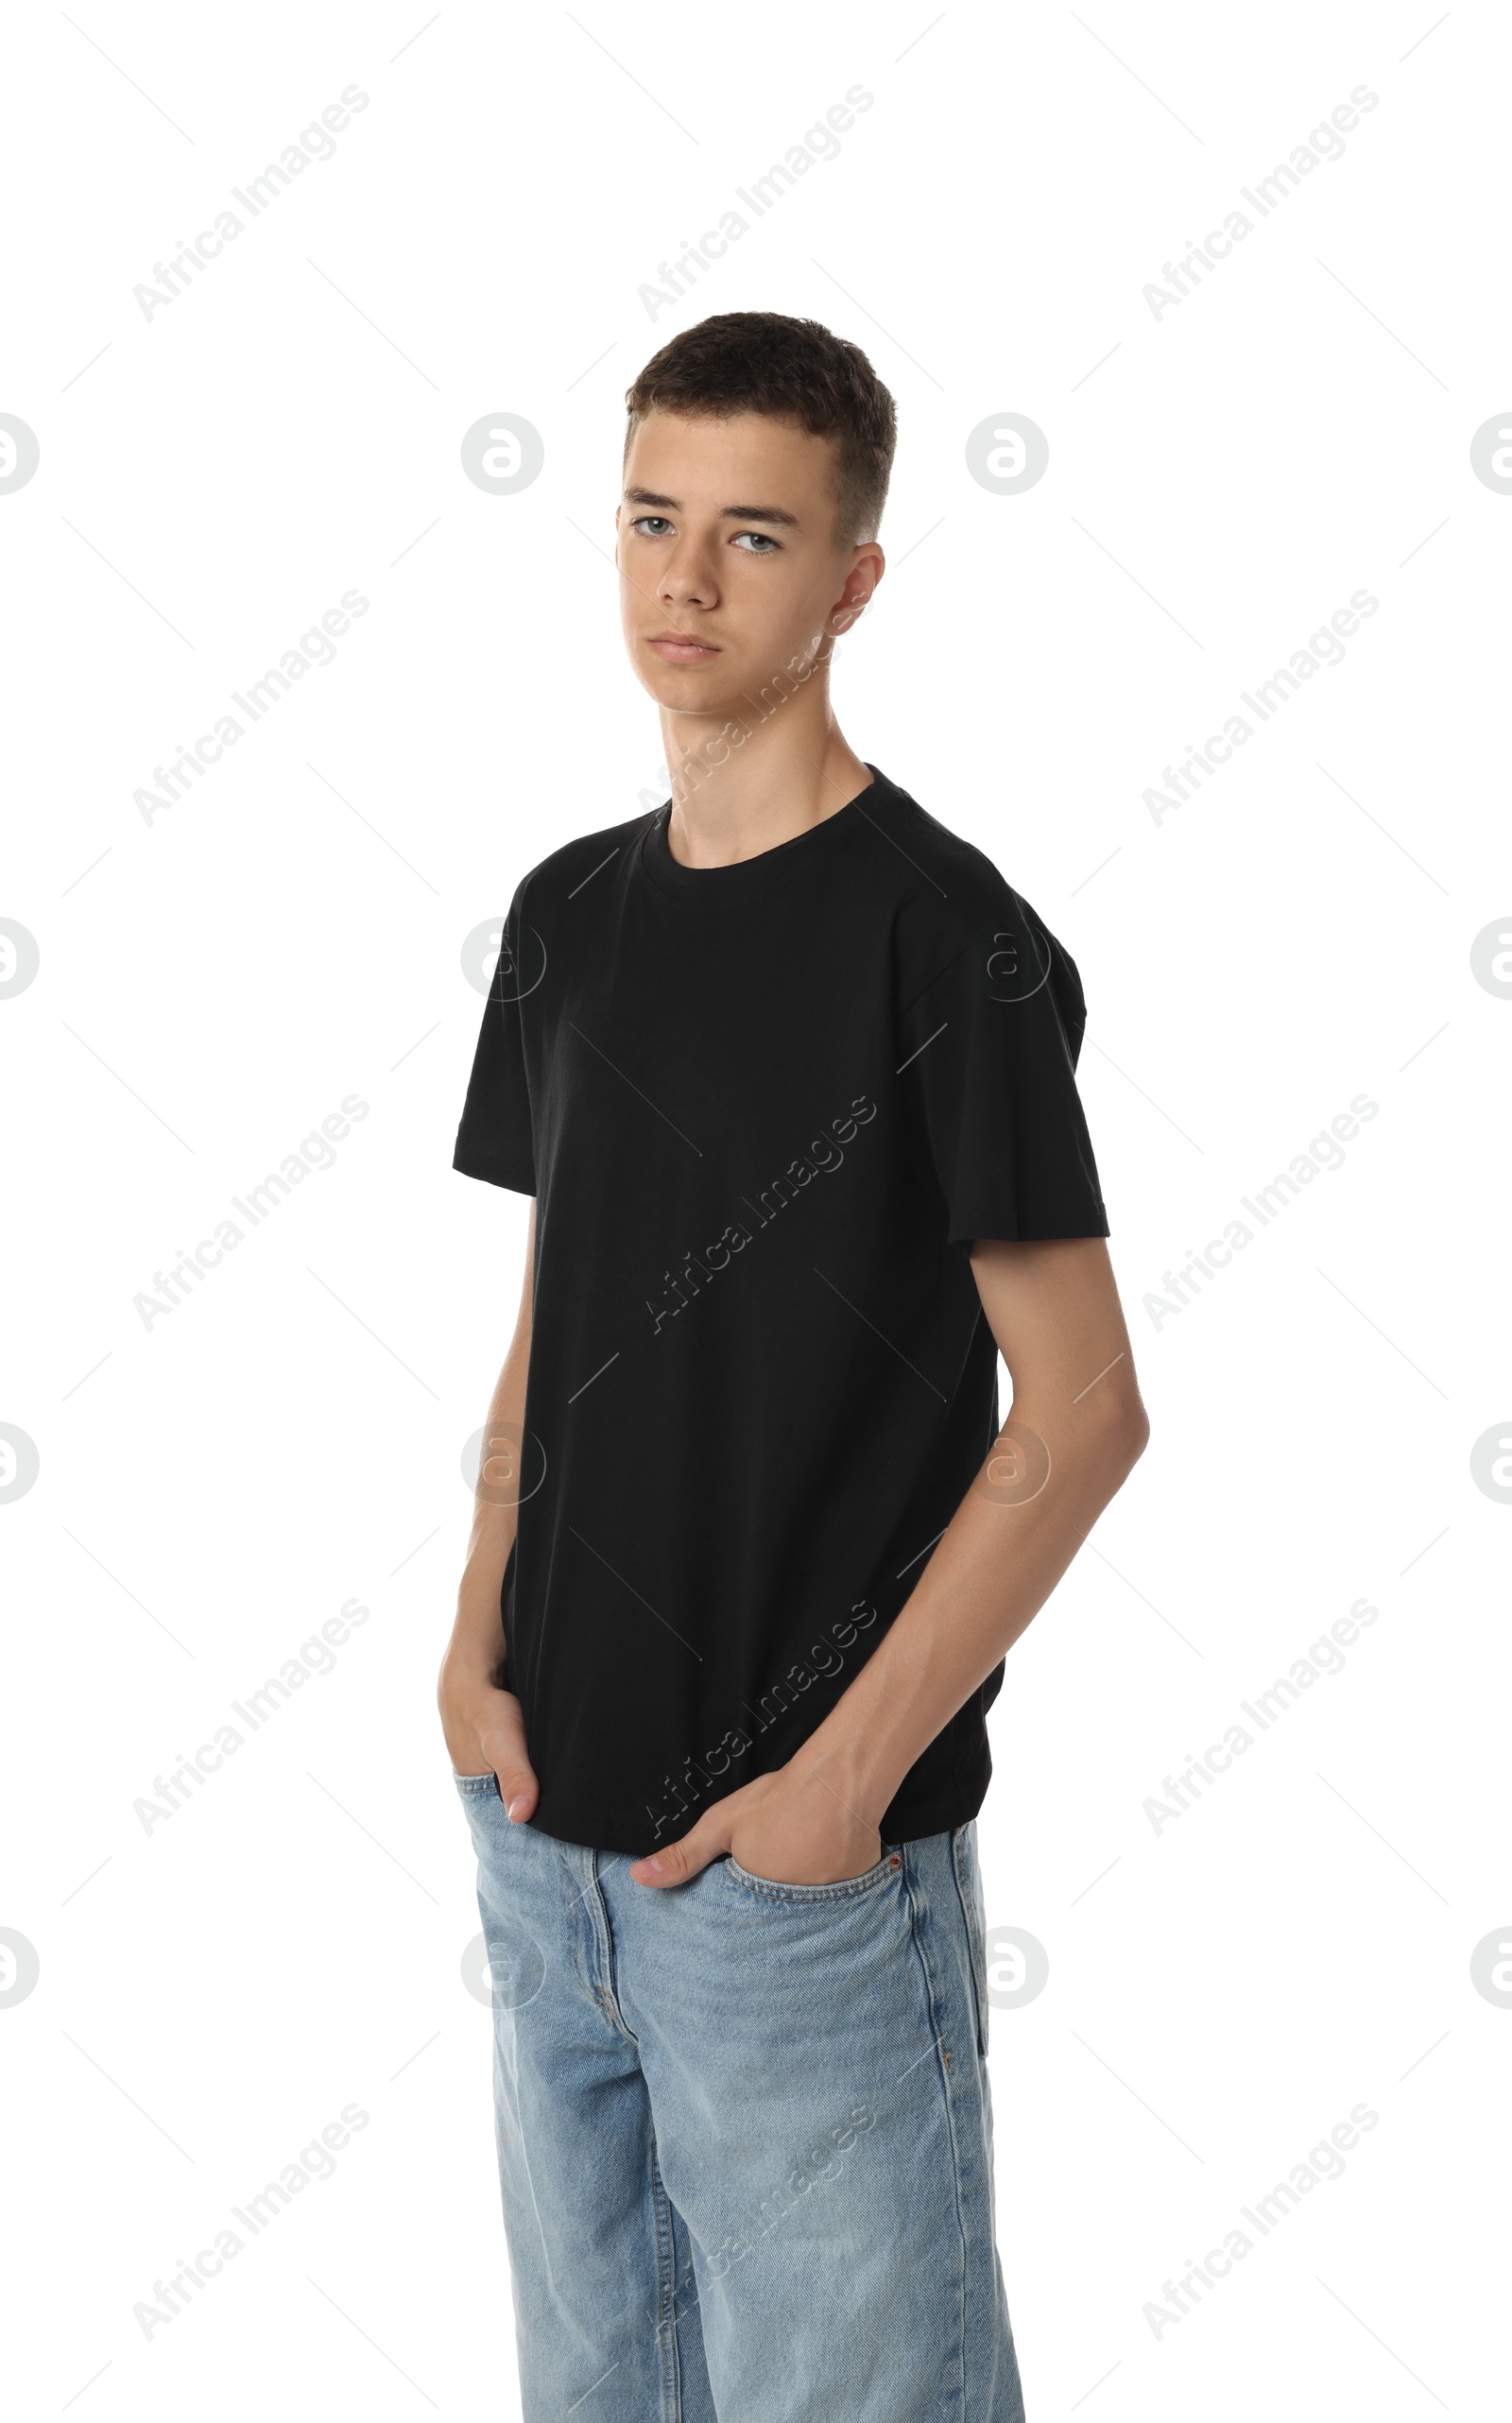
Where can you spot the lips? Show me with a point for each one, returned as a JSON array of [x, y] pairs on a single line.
[[679, 647]]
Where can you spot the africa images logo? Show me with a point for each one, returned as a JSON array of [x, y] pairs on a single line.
[[824, 1156]]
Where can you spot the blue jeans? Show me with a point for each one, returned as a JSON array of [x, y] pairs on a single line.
[[745, 2137]]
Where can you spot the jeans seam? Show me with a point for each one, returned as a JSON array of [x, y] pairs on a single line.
[[602, 1980], [969, 1919], [943, 2072], [666, 2295]]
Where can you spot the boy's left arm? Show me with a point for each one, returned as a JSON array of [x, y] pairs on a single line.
[[1075, 1430]]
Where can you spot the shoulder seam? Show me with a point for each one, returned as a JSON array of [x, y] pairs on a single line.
[[970, 942], [632, 827]]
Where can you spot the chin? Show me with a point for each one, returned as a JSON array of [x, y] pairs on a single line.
[[687, 690]]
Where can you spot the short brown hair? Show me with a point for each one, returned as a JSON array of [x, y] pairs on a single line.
[[791, 369]]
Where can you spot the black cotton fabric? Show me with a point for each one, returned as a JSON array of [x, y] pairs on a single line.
[[764, 1109]]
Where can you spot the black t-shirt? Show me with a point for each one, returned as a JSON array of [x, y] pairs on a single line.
[[764, 1109]]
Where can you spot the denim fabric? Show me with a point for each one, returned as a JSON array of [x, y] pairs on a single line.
[[745, 2137]]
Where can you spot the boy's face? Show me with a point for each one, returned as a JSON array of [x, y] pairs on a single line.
[[730, 565]]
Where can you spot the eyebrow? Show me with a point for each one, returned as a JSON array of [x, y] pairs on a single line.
[[773, 513]]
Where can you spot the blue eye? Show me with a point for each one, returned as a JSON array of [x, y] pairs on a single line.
[[643, 524], [759, 542]]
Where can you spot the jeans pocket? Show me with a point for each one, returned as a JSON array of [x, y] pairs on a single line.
[[850, 1888], [967, 1876], [482, 1783]]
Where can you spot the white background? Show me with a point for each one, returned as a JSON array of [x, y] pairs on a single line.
[[212, 984]]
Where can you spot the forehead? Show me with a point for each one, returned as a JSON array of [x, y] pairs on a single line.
[[707, 462]]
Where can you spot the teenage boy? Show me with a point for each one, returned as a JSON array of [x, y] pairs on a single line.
[[789, 1070]]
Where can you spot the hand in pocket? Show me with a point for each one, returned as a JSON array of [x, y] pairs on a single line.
[[484, 1733]]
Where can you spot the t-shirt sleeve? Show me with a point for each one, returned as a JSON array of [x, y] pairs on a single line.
[[991, 1046], [495, 1140]]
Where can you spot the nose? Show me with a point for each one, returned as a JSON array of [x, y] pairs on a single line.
[[687, 577]]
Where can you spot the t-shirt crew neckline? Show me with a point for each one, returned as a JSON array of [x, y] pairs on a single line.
[[722, 887]]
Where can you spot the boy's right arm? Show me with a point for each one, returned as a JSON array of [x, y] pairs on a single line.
[[482, 1722]]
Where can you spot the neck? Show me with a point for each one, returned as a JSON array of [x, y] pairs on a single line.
[[744, 785]]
